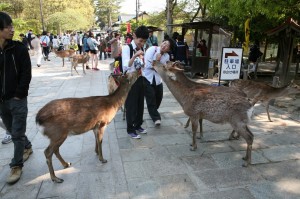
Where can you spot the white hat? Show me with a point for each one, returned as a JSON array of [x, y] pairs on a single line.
[[32, 36]]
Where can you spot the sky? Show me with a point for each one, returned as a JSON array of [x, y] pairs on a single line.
[[128, 6]]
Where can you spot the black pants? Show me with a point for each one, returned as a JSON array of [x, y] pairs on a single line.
[[46, 52], [100, 54], [134, 105], [14, 115], [80, 49], [154, 95]]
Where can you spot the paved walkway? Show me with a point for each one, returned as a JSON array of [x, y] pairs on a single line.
[[160, 165]]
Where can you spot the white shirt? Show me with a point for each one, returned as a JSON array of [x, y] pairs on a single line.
[[55, 42], [148, 72], [126, 57], [65, 40]]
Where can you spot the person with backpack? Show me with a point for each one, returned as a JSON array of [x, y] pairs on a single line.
[[93, 46], [45, 45], [134, 104], [86, 48]]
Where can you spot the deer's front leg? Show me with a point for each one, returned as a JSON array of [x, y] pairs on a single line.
[[99, 132], [194, 130]]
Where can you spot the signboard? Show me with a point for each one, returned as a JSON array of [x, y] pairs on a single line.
[[231, 63]]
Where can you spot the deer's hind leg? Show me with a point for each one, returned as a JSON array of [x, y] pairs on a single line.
[[248, 136], [267, 109], [57, 154], [54, 148], [83, 68]]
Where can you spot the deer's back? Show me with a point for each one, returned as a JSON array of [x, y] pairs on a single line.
[[76, 114], [218, 107]]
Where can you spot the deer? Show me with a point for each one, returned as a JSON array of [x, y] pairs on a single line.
[[217, 107], [79, 59], [260, 91], [64, 54], [112, 86], [181, 77], [74, 116]]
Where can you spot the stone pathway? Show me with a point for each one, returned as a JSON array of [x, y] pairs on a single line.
[[160, 165]]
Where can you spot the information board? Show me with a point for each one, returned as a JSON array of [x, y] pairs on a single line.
[[231, 63]]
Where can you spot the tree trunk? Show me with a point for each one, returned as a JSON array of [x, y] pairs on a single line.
[[170, 8]]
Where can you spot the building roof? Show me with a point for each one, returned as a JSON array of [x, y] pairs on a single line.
[[123, 18], [289, 23]]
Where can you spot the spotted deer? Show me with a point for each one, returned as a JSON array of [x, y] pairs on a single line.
[[74, 116], [217, 107], [260, 91]]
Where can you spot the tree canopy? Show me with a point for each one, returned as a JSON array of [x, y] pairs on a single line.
[[58, 15]]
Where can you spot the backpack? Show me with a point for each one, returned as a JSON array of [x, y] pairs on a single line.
[[44, 43]]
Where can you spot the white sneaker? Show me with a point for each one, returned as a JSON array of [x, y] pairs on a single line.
[[6, 139], [157, 123]]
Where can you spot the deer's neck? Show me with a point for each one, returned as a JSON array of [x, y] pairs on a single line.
[[120, 95], [181, 77], [178, 89]]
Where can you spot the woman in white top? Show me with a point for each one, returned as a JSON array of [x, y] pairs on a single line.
[[55, 42], [153, 85], [35, 43]]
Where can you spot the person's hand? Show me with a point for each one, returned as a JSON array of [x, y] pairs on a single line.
[[138, 53], [158, 57]]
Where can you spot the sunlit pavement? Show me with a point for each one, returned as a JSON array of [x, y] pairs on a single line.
[[160, 165]]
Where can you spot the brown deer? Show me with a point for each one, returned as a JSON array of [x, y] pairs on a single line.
[[260, 91], [64, 54], [79, 59], [217, 107], [74, 116], [112, 86], [181, 77]]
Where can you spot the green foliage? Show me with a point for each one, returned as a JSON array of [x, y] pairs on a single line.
[[58, 15], [107, 11], [6, 7], [20, 26], [264, 14]]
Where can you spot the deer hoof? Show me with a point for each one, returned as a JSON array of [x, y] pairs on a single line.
[[57, 180], [246, 164], [199, 137], [193, 148], [68, 164], [103, 161]]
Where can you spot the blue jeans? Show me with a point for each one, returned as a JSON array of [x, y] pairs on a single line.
[[14, 115]]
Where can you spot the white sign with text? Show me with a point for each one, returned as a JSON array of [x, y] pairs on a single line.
[[231, 63]]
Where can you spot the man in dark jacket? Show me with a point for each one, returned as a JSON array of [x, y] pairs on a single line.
[[15, 76]]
